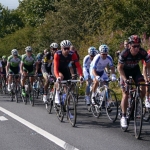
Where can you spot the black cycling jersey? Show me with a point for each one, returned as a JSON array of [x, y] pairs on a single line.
[[131, 61], [46, 63]]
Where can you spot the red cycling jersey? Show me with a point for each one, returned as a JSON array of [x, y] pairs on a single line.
[[61, 62]]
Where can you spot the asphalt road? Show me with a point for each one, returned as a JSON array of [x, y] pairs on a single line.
[[23, 127]]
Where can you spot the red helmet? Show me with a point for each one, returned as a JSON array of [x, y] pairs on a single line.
[[134, 39]]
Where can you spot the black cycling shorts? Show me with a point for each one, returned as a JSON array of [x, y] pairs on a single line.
[[135, 73]]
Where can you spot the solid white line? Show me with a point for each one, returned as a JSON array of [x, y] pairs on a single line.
[[42, 132], [2, 118]]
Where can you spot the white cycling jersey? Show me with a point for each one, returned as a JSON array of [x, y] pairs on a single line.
[[99, 64], [86, 66]]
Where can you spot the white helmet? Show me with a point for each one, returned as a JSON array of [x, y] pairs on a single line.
[[103, 49], [14, 52], [92, 51], [65, 43], [28, 49], [54, 45]]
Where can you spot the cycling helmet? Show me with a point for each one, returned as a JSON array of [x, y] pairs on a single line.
[[103, 49], [65, 43], [92, 51], [54, 45], [4, 57], [134, 39], [28, 49], [14, 52], [39, 56]]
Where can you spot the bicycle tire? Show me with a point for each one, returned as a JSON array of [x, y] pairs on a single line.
[[146, 114], [60, 112], [71, 109], [32, 97], [138, 117], [16, 93], [96, 111], [49, 105], [111, 105], [4, 86]]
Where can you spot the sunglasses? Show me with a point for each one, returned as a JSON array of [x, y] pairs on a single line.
[[136, 46], [54, 49], [66, 49]]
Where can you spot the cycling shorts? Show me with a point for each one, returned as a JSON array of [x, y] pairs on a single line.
[[136, 76]]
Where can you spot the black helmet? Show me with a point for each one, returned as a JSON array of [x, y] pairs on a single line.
[[134, 39]]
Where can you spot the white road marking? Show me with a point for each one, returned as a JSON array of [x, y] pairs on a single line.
[[2, 118], [42, 132]]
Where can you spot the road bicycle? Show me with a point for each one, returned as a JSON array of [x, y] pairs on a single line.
[[30, 93], [15, 87], [67, 101], [3, 87], [51, 93], [134, 109], [105, 99]]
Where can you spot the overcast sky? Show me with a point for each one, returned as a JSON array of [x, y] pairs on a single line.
[[11, 4]]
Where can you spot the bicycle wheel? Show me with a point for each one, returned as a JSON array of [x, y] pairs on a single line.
[[111, 105], [146, 114], [49, 105], [60, 110], [4, 86], [32, 97], [71, 109], [16, 93], [138, 117], [96, 110]]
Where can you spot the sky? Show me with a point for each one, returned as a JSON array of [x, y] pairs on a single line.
[[11, 4]]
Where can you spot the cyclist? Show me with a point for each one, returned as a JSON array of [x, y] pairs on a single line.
[[97, 67], [13, 64], [46, 71], [27, 67], [4, 63], [86, 67], [146, 73], [128, 65], [62, 59]]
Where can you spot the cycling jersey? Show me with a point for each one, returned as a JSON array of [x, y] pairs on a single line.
[[86, 66], [61, 63], [131, 61], [28, 62], [46, 63], [99, 64], [14, 64], [4, 63]]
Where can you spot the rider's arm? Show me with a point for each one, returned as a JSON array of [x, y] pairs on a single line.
[[36, 67], [21, 67], [77, 64], [94, 72], [7, 67], [146, 68], [56, 65], [121, 71]]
